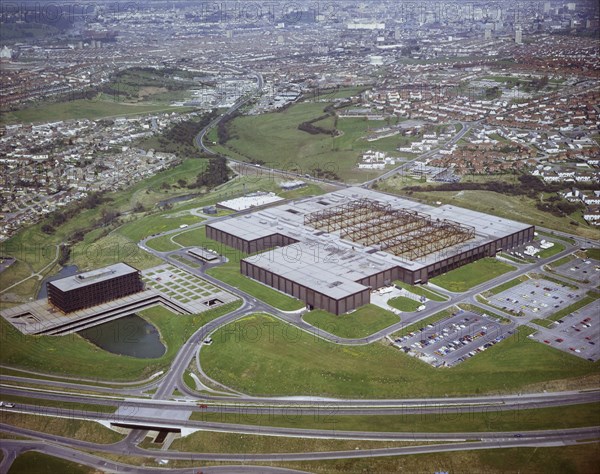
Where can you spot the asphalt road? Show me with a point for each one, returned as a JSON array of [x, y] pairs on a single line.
[[525, 439], [166, 385]]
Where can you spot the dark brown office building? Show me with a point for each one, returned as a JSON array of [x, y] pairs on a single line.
[[95, 287]]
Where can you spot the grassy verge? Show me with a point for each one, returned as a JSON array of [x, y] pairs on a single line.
[[555, 460], [421, 291], [404, 304], [214, 442], [571, 416], [593, 253], [424, 322], [543, 322], [554, 236], [82, 108], [562, 261], [73, 355], [71, 428], [472, 274], [507, 285], [230, 271], [360, 323], [557, 248], [478, 310], [261, 355], [30, 462], [588, 299]]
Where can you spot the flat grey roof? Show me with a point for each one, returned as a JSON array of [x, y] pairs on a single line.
[[203, 253], [94, 276], [320, 258]]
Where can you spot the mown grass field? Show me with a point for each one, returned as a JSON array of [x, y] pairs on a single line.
[[421, 291], [404, 304], [71, 428], [73, 355], [39, 463], [84, 109], [472, 274], [571, 416], [363, 322], [576, 459], [261, 355]]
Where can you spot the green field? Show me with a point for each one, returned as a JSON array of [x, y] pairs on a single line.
[[404, 304], [230, 271], [275, 139], [557, 248], [84, 109], [35, 249], [571, 416], [261, 355], [363, 322], [479, 310], [424, 322], [593, 253], [70, 428], [472, 274], [421, 291], [73, 355], [575, 459], [215, 442], [39, 463], [589, 298], [506, 285]]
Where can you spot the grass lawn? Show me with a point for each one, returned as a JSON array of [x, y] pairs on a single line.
[[575, 459], [111, 249], [230, 271], [562, 261], [478, 310], [421, 291], [71, 428], [35, 250], [39, 463], [472, 274], [154, 224], [261, 355], [404, 304], [73, 355], [216, 442], [557, 248], [505, 286], [588, 299], [543, 322], [571, 416], [424, 322], [78, 109], [593, 253], [275, 139], [360, 323]]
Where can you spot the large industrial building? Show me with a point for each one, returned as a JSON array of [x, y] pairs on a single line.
[[330, 251], [95, 287]]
